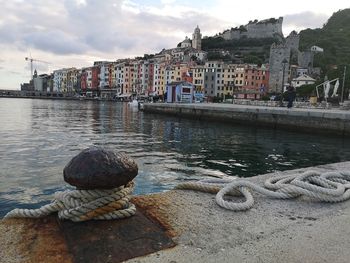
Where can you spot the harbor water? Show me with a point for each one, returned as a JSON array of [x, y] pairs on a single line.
[[39, 137]]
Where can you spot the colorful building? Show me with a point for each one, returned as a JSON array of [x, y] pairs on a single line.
[[198, 78], [256, 81], [179, 92]]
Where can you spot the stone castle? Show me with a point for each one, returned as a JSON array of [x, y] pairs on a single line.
[[282, 54], [268, 28], [285, 54]]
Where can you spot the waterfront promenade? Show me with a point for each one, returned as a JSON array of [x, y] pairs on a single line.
[[272, 231], [334, 121], [296, 230]]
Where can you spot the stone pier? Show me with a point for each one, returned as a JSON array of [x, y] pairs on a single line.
[[327, 121]]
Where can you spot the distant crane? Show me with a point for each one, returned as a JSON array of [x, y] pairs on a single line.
[[30, 59]]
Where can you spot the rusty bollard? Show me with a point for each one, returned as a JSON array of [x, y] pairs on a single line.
[[104, 182], [97, 168], [104, 185]]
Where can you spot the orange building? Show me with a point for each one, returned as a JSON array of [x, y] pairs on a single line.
[[255, 83]]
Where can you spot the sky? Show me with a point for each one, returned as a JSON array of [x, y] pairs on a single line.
[[75, 33]]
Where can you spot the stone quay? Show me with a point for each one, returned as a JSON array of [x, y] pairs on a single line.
[[326, 121]]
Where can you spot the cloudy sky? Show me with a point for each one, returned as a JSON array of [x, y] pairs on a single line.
[[69, 33]]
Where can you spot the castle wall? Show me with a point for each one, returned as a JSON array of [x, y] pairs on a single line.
[[277, 54], [292, 41], [262, 29], [305, 59]]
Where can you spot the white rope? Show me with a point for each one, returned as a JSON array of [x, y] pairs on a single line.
[[82, 205], [326, 187]]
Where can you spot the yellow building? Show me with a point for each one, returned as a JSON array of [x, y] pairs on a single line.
[[167, 75], [228, 78], [198, 78], [182, 72], [128, 77], [72, 80], [239, 76]]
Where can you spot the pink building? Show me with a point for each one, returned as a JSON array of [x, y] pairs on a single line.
[[256, 81]]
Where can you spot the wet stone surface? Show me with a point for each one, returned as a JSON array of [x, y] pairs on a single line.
[[97, 168], [115, 240]]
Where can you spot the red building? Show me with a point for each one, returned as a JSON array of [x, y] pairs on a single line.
[[150, 78], [111, 83], [90, 81], [256, 81], [83, 81], [95, 80]]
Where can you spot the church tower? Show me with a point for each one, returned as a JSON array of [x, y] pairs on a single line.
[[197, 39]]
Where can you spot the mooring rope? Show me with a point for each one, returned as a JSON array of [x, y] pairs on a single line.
[[83, 205], [327, 187]]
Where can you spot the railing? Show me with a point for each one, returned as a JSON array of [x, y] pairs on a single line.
[[296, 104]]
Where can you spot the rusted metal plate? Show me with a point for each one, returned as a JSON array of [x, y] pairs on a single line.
[[114, 240]]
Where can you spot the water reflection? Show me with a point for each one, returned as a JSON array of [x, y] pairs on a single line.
[[38, 137]]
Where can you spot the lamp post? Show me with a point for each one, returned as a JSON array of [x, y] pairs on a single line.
[[284, 63]]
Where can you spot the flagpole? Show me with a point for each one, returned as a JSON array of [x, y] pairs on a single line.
[[342, 89]]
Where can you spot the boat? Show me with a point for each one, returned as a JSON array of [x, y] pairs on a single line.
[[133, 103]]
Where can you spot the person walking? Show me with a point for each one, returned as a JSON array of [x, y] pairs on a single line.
[[290, 96]]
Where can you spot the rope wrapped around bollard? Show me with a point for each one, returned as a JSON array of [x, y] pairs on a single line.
[[104, 186], [82, 205], [327, 187]]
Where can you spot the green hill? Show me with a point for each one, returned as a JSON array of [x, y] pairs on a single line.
[[334, 38], [243, 50]]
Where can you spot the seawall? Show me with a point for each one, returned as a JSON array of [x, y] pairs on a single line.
[[329, 121]]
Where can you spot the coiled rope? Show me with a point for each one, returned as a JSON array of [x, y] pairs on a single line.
[[82, 205], [327, 187]]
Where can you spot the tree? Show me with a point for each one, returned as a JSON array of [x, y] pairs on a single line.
[[306, 90]]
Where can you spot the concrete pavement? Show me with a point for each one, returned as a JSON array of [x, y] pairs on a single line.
[[298, 230], [272, 231]]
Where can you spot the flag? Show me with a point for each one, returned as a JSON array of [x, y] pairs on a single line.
[[326, 87], [336, 86]]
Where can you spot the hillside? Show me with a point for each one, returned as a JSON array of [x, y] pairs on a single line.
[[334, 38], [243, 50], [248, 43]]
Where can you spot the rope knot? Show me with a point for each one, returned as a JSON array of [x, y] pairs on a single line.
[[83, 205]]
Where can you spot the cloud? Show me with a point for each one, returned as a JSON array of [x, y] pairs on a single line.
[[14, 72], [304, 20], [55, 41], [40, 67], [109, 26]]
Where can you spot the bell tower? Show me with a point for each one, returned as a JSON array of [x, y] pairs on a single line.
[[197, 39]]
